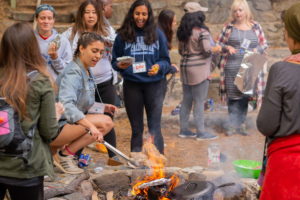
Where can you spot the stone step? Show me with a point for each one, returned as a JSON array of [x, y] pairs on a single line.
[[56, 6], [51, 2], [28, 15], [61, 27]]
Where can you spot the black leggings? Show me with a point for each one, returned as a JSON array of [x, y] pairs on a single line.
[[108, 95], [23, 192], [148, 96], [238, 109]]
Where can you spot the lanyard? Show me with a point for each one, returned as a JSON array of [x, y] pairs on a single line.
[[241, 39]]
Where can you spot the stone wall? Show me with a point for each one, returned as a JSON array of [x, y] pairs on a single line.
[[266, 12]]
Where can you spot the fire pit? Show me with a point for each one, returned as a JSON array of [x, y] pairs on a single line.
[[190, 187], [156, 182], [155, 190], [156, 186]]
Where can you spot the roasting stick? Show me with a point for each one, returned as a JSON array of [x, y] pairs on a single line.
[[131, 162], [119, 153]]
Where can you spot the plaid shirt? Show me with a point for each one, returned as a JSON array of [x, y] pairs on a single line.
[[223, 40]]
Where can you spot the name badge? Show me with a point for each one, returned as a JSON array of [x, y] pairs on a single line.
[[139, 67], [245, 44], [97, 108]]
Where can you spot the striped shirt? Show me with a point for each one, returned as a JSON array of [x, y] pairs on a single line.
[[222, 41], [234, 61]]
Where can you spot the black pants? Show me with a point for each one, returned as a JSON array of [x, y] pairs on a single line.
[[150, 96], [237, 109], [34, 190], [108, 95]]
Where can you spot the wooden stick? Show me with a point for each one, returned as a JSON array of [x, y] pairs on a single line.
[[13, 4], [70, 188], [38, 3], [110, 195], [95, 196]]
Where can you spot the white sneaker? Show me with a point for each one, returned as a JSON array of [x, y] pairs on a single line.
[[67, 164]]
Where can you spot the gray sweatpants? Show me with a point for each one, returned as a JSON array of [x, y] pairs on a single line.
[[193, 95]]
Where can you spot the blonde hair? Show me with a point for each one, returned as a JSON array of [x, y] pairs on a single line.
[[244, 5]]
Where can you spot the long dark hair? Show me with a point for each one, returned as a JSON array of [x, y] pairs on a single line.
[[188, 22], [79, 26], [19, 54], [164, 21], [127, 30]]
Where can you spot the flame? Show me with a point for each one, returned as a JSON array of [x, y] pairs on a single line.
[[156, 162]]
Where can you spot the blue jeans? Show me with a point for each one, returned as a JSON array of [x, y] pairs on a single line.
[[193, 95], [148, 96]]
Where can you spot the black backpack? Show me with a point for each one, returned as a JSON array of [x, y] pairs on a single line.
[[13, 141]]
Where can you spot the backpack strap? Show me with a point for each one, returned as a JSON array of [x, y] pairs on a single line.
[[31, 75]]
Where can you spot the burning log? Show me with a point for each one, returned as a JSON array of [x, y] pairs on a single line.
[[154, 193], [161, 181], [149, 156], [155, 186]]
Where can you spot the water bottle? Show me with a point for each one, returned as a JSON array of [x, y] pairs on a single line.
[[211, 104], [214, 156], [84, 160]]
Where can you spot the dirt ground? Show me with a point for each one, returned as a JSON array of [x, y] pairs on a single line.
[[188, 152]]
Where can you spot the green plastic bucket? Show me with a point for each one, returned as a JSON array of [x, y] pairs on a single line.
[[247, 168]]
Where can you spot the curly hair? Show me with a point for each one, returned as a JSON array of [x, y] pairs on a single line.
[[164, 21], [127, 30], [188, 22]]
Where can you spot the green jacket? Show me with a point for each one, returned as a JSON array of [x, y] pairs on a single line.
[[41, 111]]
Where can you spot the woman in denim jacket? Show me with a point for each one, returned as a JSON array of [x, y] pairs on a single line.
[[77, 94]]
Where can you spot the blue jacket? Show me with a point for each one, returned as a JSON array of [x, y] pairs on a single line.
[[76, 92], [156, 53]]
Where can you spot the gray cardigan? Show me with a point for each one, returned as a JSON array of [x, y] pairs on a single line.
[[196, 57], [280, 111]]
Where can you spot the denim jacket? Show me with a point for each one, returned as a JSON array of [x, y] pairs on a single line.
[[76, 92]]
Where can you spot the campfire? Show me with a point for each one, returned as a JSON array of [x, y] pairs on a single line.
[[156, 186]]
